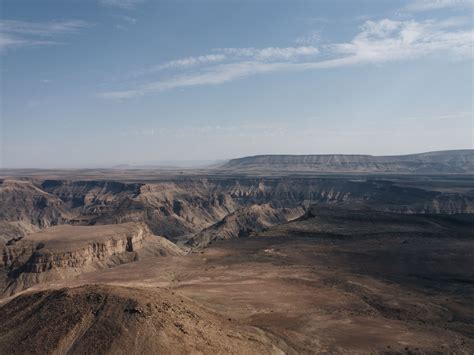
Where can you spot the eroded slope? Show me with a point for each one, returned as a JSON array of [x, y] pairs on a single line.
[[244, 222], [119, 320]]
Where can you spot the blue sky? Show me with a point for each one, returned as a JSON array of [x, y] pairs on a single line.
[[105, 82]]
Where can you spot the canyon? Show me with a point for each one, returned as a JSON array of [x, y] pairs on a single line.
[[234, 259]]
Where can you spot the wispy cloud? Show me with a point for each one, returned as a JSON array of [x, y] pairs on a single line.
[[377, 42], [271, 53], [125, 22], [192, 131], [42, 29], [190, 61], [310, 38], [128, 19], [23, 34], [445, 116], [233, 54], [388, 40], [9, 41], [214, 75], [429, 5], [122, 4]]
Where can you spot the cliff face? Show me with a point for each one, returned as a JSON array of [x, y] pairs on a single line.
[[41, 259], [443, 162], [66, 251]]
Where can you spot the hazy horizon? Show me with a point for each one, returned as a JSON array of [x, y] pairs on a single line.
[[107, 82], [190, 164]]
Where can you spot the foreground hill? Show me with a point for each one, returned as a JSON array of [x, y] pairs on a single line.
[[441, 162], [120, 320]]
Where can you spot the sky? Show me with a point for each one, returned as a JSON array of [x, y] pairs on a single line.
[[98, 83]]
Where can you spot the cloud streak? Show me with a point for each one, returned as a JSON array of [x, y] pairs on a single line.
[[14, 34], [376, 42], [122, 4], [234, 54], [210, 76], [190, 62], [430, 5], [191, 131], [42, 29], [270, 53], [310, 38], [128, 19]]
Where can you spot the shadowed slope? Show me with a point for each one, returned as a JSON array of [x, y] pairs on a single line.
[[243, 222]]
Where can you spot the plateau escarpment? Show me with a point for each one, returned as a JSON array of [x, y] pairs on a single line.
[[63, 252], [441, 162]]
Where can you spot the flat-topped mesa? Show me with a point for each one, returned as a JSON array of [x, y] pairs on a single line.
[[65, 251], [441, 162], [43, 260]]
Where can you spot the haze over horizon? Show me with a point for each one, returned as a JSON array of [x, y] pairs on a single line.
[[212, 81]]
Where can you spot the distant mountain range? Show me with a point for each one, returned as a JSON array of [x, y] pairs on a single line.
[[439, 162]]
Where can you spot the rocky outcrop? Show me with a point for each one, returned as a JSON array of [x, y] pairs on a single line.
[[66, 251]]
